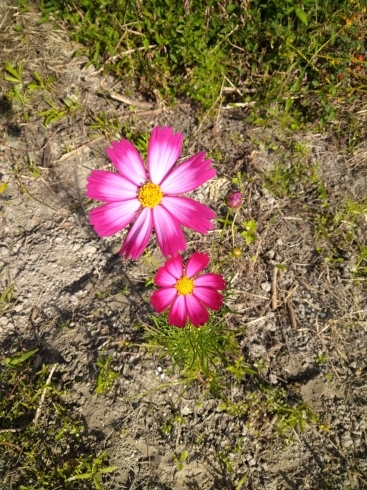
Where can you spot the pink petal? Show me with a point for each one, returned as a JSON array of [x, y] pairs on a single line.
[[211, 280], [164, 279], [189, 175], [113, 217], [174, 267], [110, 187], [128, 162], [138, 236], [163, 151], [198, 315], [209, 297], [196, 263], [189, 213], [169, 233], [171, 271], [162, 298], [177, 314]]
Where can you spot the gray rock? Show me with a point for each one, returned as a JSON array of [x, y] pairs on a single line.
[[266, 286], [89, 249]]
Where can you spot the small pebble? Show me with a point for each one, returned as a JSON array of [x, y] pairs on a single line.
[[266, 286]]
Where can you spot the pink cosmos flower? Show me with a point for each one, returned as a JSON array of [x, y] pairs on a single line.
[[187, 295], [150, 196]]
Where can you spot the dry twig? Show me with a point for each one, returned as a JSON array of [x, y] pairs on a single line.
[[292, 316], [42, 400], [129, 101], [274, 303], [9, 444], [77, 150]]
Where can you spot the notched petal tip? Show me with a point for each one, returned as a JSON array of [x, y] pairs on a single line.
[[112, 217], [138, 236], [211, 298], [165, 132], [196, 263], [109, 187], [177, 315], [163, 278], [197, 313], [174, 266], [169, 233], [188, 175], [163, 298], [189, 213], [211, 279], [164, 149], [127, 160]]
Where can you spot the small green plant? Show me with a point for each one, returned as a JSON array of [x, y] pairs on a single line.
[[14, 73], [169, 425], [18, 94], [140, 139], [240, 368], [7, 298], [201, 438], [55, 113], [250, 231], [180, 459], [106, 375], [177, 419], [124, 290], [230, 457], [215, 154], [197, 352], [33, 168], [69, 426], [18, 360], [351, 212], [239, 179], [110, 127], [289, 60], [39, 83], [360, 269], [271, 404], [340, 232], [101, 295], [321, 358], [290, 179], [92, 469], [301, 149], [62, 323], [167, 428], [53, 449]]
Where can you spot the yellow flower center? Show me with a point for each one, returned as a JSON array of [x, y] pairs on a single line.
[[185, 286], [150, 195]]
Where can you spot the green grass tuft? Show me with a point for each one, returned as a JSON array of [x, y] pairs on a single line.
[[293, 61]]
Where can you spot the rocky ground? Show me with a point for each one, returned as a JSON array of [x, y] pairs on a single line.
[[75, 298]]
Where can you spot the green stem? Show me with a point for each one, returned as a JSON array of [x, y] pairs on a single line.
[[221, 238], [232, 227], [152, 259]]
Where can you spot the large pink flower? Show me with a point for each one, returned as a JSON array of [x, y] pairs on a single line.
[[150, 197], [188, 295]]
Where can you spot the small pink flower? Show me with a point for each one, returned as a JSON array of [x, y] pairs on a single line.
[[187, 295], [234, 200], [150, 197]]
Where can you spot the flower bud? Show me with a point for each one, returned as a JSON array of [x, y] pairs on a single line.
[[236, 252], [234, 200]]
